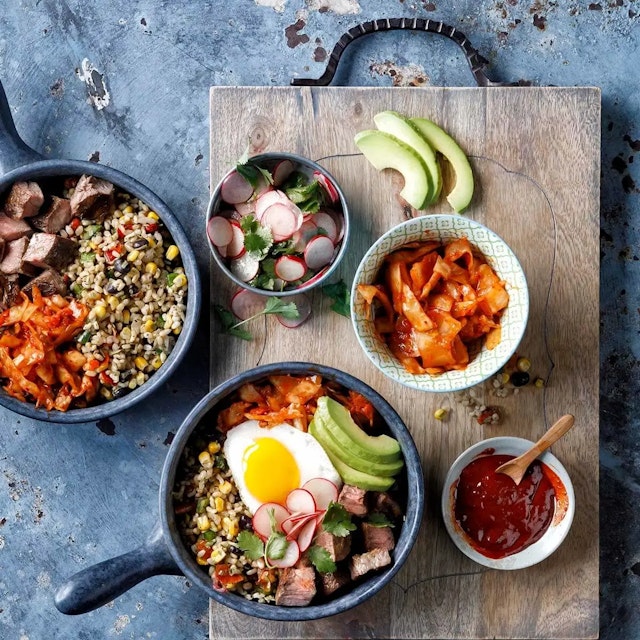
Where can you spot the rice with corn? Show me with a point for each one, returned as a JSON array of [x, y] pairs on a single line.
[[210, 515], [129, 273]]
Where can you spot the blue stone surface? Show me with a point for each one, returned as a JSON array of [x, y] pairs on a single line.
[[127, 83]]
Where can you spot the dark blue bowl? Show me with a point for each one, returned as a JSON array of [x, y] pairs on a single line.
[[20, 162], [166, 552]]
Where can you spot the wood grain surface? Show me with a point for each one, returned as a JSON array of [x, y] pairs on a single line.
[[536, 157]]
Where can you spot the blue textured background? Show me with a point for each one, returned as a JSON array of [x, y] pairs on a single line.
[[70, 496]]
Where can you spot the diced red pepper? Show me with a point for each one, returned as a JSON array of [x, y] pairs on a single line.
[[105, 378], [75, 223], [151, 227], [224, 578]]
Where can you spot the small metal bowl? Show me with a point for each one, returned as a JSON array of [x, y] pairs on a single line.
[[444, 228], [268, 161], [552, 538]]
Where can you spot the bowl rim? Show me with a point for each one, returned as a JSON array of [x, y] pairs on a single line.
[[406, 540], [427, 382], [321, 276], [62, 168], [553, 536]]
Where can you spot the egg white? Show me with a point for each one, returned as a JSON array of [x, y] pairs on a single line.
[[310, 457]]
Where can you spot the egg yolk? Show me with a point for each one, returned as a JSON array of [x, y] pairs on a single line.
[[270, 471]]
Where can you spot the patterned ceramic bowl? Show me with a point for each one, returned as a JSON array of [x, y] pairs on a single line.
[[445, 228]]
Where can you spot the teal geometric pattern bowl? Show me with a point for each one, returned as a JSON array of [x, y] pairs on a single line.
[[444, 228]]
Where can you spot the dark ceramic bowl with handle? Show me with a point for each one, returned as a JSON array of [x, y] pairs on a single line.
[[18, 162], [165, 551]]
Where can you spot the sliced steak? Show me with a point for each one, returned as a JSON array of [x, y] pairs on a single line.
[[338, 547], [2, 244], [13, 260], [9, 291], [11, 229], [49, 250], [48, 282], [364, 562], [330, 582], [24, 200], [377, 537], [353, 499], [55, 218], [384, 503], [297, 585], [92, 199]]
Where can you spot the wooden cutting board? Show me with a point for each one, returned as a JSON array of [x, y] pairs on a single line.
[[536, 157]]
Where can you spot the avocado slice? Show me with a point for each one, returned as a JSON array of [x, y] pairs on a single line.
[[386, 469], [350, 436], [401, 127], [441, 141], [385, 151]]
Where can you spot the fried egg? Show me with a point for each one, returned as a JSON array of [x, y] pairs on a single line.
[[268, 463]]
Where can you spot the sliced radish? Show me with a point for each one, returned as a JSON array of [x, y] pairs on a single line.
[[301, 237], [291, 556], [338, 219], [306, 535], [219, 231], [235, 248], [245, 304], [262, 186], [267, 199], [326, 223], [328, 186], [296, 527], [315, 278], [235, 188], [222, 251], [245, 267], [290, 268], [323, 491], [246, 208], [283, 220], [262, 518], [282, 171], [319, 252], [301, 501], [303, 304]]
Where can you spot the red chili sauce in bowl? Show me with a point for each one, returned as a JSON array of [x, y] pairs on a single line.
[[499, 517]]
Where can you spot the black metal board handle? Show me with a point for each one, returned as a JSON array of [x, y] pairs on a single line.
[[476, 62]]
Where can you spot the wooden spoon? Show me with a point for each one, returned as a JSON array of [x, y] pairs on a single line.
[[517, 467]]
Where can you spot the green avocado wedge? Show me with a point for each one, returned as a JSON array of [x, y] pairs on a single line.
[[338, 421], [460, 196], [397, 125], [385, 151], [385, 469]]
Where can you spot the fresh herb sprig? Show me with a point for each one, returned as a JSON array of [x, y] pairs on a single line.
[[287, 310], [321, 559], [273, 549], [340, 295], [337, 520], [379, 520]]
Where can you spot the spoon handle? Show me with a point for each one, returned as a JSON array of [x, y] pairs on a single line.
[[559, 428]]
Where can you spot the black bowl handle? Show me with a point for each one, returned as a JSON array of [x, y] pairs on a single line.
[[101, 583], [476, 62], [14, 151]]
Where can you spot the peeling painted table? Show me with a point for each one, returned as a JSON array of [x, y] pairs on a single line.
[[127, 84]]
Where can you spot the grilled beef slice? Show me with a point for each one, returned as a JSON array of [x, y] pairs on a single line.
[[297, 585], [2, 244], [338, 547], [11, 229], [377, 537], [384, 503], [9, 291], [13, 260], [92, 199], [353, 499], [330, 582], [364, 562], [48, 283], [55, 218], [24, 200], [49, 250]]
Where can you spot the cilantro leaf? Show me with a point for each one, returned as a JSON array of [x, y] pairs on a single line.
[[337, 520], [285, 248], [309, 196], [287, 310], [257, 239], [379, 520], [273, 305], [250, 545], [340, 295], [321, 559], [229, 325], [276, 546]]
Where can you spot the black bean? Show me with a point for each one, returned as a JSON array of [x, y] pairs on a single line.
[[120, 391], [519, 378], [246, 523], [138, 244], [132, 289], [121, 267], [112, 286]]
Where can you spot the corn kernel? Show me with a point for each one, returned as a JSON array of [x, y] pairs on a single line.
[[177, 331], [128, 209], [152, 241], [203, 523], [140, 363], [151, 267], [113, 302], [218, 556], [233, 529], [213, 447], [140, 379], [100, 311], [440, 414], [226, 487], [149, 326], [152, 214], [504, 377], [180, 281], [219, 504], [539, 383], [523, 364], [156, 363], [172, 252], [126, 316], [133, 256], [202, 561], [205, 459]]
